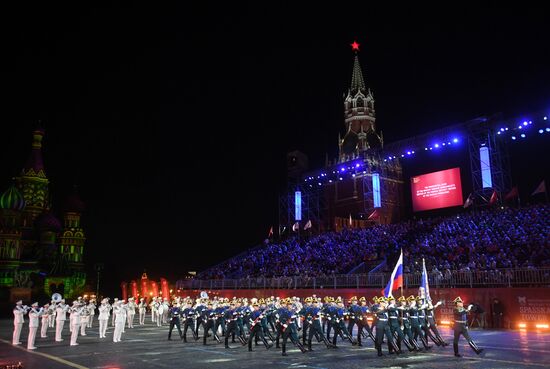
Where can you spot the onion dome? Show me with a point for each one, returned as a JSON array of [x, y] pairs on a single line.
[[12, 199], [73, 204], [47, 222]]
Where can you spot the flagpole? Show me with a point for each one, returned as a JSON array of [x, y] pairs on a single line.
[[403, 272]]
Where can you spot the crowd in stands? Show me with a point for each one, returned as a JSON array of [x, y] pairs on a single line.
[[471, 241]]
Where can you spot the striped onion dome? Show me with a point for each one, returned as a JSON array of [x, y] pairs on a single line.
[[12, 199]]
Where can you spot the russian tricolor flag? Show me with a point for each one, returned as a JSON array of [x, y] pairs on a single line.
[[396, 279]]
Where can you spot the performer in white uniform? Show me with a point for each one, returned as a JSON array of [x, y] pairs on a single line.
[[51, 315], [84, 318], [153, 306], [74, 321], [60, 317], [45, 320], [104, 312], [34, 314], [131, 312], [91, 309], [120, 320], [142, 307], [113, 317], [18, 319]]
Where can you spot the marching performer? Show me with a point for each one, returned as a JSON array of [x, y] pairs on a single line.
[[74, 321], [104, 312], [45, 320], [120, 320], [84, 318], [142, 309], [113, 317], [60, 317], [461, 327], [34, 314], [91, 309], [153, 305], [51, 314], [131, 306], [18, 319]]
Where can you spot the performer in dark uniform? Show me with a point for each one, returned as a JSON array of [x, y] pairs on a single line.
[[405, 322], [189, 316], [383, 328], [209, 316], [314, 316], [175, 313], [256, 330], [395, 325], [287, 320], [461, 326], [432, 324], [231, 316], [415, 324]]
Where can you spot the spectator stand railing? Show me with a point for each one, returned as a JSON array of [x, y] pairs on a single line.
[[526, 277]]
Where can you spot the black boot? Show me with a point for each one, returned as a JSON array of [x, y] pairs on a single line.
[[455, 347], [301, 347], [267, 344], [284, 350], [309, 345]]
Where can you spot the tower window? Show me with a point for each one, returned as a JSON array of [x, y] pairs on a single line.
[[359, 103]]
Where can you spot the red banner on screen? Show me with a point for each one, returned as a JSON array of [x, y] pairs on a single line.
[[436, 190]]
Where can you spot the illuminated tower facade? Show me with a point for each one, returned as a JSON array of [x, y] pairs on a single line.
[[37, 251], [359, 116]]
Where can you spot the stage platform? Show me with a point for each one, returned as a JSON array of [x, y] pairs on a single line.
[[146, 347]]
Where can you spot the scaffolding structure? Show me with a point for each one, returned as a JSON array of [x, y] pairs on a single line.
[[482, 133]]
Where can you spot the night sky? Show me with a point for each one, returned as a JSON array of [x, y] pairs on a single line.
[[175, 123]]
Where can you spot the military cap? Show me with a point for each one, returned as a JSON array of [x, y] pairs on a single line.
[[375, 299], [353, 298], [401, 299], [411, 298], [458, 299], [362, 299], [308, 299]]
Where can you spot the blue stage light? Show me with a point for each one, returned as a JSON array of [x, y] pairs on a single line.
[[412, 152], [525, 123], [541, 130], [436, 146], [502, 129], [513, 137], [545, 118], [547, 129], [520, 127], [443, 143], [455, 140], [426, 148], [342, 169], [357, 165], [498, 132], [408, 153], [523, 135], [506, 128]]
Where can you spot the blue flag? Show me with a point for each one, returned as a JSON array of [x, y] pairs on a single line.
[[424, 281]]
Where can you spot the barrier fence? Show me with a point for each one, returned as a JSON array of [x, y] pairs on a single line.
[[525, 277]]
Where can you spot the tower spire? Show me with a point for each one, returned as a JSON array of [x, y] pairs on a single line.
[[357, 81]]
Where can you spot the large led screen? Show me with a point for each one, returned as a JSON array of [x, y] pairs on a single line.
[[436, 190]]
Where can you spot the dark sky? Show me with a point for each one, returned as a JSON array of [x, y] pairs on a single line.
[[175, 123]]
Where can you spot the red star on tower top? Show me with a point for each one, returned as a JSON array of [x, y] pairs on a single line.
[[355, 46]]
